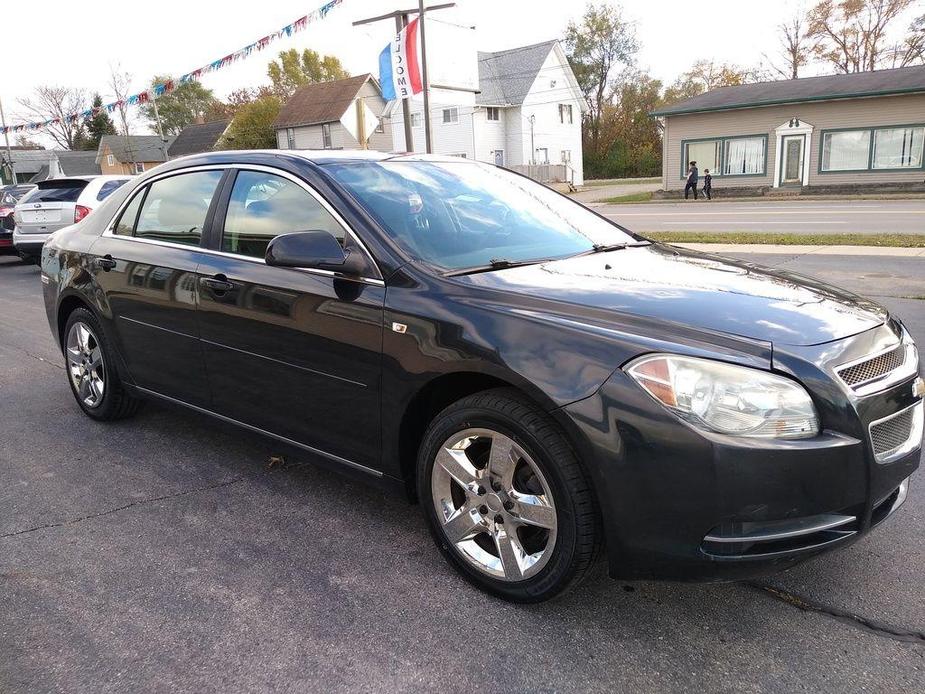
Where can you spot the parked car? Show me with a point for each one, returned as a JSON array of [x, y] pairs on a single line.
[[9, 195], [543, 381], [55, 204]]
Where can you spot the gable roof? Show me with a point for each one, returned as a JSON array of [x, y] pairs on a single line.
[[505, 77], [78, 163], [135, 147], [322, 102], [198, 137], [903, 80]]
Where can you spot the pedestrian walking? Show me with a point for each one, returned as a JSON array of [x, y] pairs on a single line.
[[693, 177], [707, 184]]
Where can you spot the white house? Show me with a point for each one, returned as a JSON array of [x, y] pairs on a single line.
[[334, 115], [528, 111]]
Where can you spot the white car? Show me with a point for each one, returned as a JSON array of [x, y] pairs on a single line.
[[55, 204]]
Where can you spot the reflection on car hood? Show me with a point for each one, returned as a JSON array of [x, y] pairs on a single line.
[[698, 290]]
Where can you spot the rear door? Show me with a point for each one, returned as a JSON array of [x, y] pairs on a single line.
[[50, 207], [293, 352], [146, 264]]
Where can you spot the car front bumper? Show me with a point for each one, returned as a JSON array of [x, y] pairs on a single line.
[[681, 504]]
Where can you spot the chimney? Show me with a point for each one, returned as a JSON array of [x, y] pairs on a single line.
[[200, 119]]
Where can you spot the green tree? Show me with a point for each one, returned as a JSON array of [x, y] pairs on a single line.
[[252, 126], [184, 105], [97, 126], [291, 70], [596, 46]]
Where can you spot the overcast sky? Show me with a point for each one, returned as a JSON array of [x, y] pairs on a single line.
[[74, 44]]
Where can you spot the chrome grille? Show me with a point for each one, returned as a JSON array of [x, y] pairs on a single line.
[[873, 368], [892, 433]]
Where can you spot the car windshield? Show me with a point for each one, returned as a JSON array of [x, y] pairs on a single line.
[[466, 215]]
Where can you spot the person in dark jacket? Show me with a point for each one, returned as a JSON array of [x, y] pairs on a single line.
[[692, 177], [707, 184]]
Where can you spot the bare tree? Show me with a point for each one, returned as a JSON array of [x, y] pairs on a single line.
[[52, 102], [120, 83], [911, 50], [852, 35], [796, 47]]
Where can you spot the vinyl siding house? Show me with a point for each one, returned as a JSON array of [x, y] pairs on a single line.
[[325, 116], [527, 114], [135, 154], [865, 129]]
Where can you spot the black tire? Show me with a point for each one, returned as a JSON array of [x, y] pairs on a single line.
[[29, 259], [117, 402], [578, 531]]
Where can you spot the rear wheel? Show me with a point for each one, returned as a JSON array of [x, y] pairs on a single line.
[[505, 497], [91, 369]]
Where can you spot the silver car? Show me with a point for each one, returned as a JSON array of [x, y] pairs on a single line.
[[55, 204]]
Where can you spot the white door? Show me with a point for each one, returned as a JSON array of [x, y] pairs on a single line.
[[791, 167]]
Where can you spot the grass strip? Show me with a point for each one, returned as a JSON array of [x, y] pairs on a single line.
[[631, 197], [883, 240]]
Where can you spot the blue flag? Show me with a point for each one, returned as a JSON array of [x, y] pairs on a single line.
[[385, 73]]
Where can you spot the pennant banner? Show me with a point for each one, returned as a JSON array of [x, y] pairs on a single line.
[[194, 75]]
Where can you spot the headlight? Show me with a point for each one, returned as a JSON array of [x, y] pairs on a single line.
[[728, 399]]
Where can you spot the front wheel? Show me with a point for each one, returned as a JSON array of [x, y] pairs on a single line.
[[505, 497]]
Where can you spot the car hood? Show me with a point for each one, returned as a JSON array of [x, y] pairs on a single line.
[[697, 290]]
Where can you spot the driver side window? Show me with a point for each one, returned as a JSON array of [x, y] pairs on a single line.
[[175, 208], [263, 206]]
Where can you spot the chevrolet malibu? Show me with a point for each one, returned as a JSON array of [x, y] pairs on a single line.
[[545, 383]]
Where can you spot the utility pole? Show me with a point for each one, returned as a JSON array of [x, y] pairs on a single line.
[[160, 130], [9, 154], [401, 21], [427, 141]]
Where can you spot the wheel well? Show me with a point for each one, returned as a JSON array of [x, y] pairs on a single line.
[[67, 307], [426, 404]]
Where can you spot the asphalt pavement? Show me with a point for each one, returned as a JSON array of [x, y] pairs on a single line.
[[164, 553], [773, 216]]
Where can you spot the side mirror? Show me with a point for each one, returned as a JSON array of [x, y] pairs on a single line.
[[313, 249]]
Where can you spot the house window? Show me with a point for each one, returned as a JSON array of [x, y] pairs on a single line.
[[139, 167], [451, 115], [566, 156], [565, 113], [542, 155], [326, 135], [744, 156], [110, 160], [380, 125], [848, 150], [415, 120], [707, 154], [493, 113], [726, 156], [898, 148], [290, 138]]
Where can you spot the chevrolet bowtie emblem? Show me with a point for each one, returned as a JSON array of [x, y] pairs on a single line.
[[918, 387]]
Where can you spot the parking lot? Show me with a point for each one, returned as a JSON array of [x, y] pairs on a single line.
[[166, 553]]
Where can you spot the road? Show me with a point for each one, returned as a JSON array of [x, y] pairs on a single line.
[[785, 216], [164, 554]]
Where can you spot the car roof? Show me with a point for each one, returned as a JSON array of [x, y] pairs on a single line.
[[321, 156]]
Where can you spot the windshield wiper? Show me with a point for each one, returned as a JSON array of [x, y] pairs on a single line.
[[495, 264]]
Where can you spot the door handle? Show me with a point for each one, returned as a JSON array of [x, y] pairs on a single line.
[[105, 263], [217, 283]]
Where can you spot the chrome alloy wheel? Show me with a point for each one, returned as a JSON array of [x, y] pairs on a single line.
[[85, 364], [494, 504]]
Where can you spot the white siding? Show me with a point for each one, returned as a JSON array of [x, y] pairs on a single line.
[[480, 138], [550, 89]]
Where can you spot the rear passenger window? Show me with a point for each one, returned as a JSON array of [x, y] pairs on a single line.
[[263, 205], [175, 208], [126, 224], [108, 187]]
